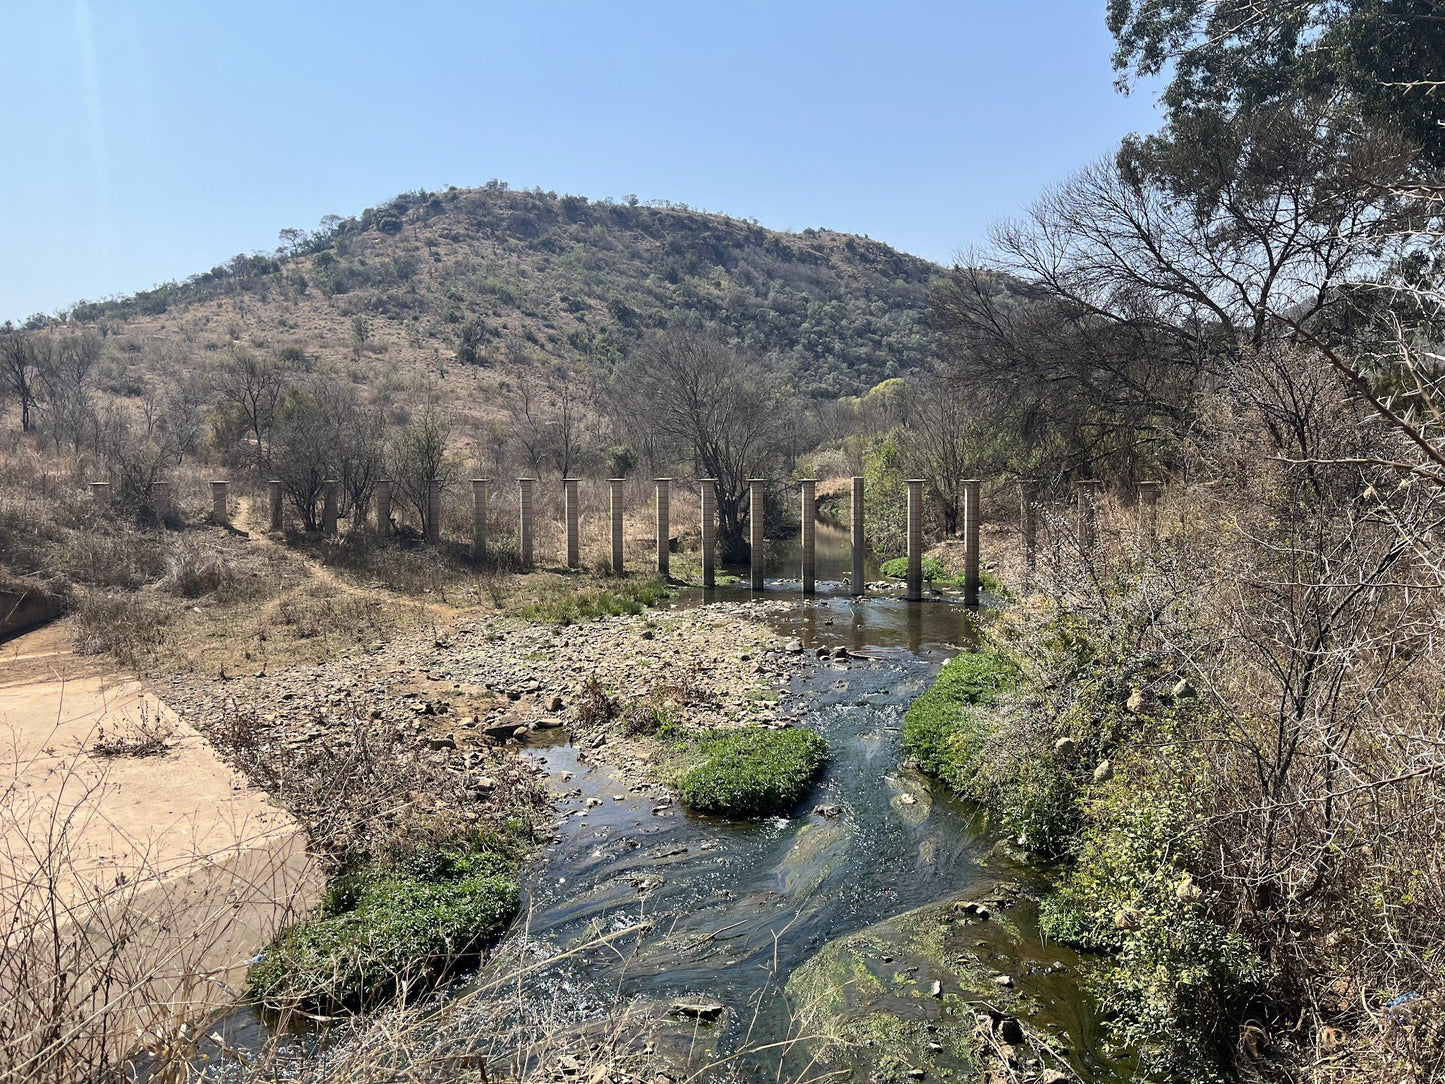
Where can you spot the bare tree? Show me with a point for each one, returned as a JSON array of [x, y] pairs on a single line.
[[249, 386], [715, 408], [23, 356]]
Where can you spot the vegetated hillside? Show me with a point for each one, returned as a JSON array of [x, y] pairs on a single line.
[[492, 276]]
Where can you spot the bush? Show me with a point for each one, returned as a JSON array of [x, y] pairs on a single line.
[[751, 772], [1174, 972], [389, 931]]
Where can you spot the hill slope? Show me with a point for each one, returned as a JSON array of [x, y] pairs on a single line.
[[492, 276]]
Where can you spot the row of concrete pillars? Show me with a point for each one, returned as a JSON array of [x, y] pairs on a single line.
[[1088, 490]]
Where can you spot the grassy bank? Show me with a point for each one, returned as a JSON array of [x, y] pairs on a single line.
[[1091, 764]]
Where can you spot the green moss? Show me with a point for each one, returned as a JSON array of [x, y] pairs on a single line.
[[750, 772], [566, 606], [382, 931]]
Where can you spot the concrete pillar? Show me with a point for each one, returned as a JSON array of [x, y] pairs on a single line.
[[161, 500], [328, 508], [433, 513], [809, 512], [615, 488], [1088, 511], [220, 512], [383, 506], [914, 585], [970, 542], [664, 526], [479, 519], [857, 510], [574, 533], [273, 501], [1029, 525], [524, 525], [100, 491], [708, 500], [756, 497]]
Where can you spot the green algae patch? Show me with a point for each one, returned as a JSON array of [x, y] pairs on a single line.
[[749, 772], [384, 933]]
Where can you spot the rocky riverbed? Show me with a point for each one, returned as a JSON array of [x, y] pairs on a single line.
[[450, 709]]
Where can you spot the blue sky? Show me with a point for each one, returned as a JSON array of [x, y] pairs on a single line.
[[148, 140]]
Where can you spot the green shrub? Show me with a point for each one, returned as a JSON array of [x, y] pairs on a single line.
[[1173, 971], [387, 930], [751, 772]]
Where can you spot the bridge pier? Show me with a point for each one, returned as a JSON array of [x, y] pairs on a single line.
[[615, 486], [914, 584], [809, 512], [756, 498], [707, 499], [971, 576]]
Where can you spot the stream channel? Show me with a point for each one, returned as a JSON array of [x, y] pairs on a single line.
[[845, 918]]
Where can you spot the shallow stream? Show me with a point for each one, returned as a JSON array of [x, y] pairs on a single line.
[[733, 909]]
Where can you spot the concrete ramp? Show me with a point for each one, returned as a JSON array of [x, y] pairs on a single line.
[[138, 873]]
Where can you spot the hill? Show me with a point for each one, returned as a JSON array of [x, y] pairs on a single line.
[[492, 277]]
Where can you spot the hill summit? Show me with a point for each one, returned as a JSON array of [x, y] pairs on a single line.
[[493, 276]]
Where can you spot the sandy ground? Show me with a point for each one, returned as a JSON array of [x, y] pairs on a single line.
[[168, 867]]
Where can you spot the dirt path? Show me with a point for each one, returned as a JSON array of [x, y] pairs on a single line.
[[173, 870]]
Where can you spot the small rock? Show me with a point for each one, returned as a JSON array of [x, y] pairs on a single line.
[[1104, 772], [1138, 703], [554, 703], [1065, 747], [828, 810], [1186, 890], [840, 652], [794, 647], [1006, 981], [444, 742], [648, 634], [1183, 690], [936, 990], [1010, 1031], [1053, 1076], [700, 1008]]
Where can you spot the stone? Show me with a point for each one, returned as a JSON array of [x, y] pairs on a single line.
[[554, 703], [569, 1065], [1183, 690], [840, 653], [1054, 1076], [1128, 918], [697, 1007], [1005, 981], [936, 990], [1010, 1031], [1104, 772], [828, 810], [1186, 890], [1066, 747], [446, 741], [1138, 702]]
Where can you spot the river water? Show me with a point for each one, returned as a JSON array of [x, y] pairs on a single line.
[[732, 909], [638, 902]]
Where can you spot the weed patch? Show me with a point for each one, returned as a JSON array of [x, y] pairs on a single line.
[[750, 772]]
